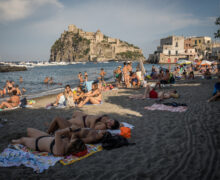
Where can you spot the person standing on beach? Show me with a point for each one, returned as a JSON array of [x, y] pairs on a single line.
[[81, 80], [126, 75], [118, 75], [102, 75], [129, 67], [86, 76]]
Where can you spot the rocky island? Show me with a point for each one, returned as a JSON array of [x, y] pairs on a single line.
[[76, 45], [12, 68]]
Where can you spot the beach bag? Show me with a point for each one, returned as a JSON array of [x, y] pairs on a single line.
[[114, 141], [23, 103], [125, 132]]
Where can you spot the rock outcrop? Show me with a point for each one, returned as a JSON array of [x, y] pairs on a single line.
[[12, 68], [76, 45]]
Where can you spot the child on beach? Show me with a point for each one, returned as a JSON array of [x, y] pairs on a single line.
[[81, 80]]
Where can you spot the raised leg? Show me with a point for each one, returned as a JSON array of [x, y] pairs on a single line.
[[58, 123], [31, 132]]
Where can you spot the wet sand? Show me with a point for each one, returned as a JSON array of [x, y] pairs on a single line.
[[169, 145]]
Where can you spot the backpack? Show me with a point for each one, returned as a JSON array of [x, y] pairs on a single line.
[[114, 141], [23, 103]]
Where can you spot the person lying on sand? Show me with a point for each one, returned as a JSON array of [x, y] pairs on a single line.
[[94, 96], [151, 93], [14, 101], [58, 145], [216, 92], [82, 120]]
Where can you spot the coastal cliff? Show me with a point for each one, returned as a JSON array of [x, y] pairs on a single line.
[[76, 45]]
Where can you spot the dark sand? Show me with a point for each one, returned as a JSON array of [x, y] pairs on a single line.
[[169, 145]]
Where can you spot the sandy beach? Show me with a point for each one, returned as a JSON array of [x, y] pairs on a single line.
[[169, 145]]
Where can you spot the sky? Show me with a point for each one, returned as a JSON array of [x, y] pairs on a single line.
[[28, 28]]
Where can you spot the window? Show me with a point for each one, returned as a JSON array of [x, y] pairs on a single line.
[[176, 52], [176, 44], [169, 52], [195, 41], [199, 41]]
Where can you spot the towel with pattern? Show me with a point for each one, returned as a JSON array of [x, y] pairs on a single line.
[[16, 155], [163, 107], [91, 150]]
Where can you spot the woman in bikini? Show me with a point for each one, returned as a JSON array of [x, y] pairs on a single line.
[[94, 96], [58, 145], [82, 120]]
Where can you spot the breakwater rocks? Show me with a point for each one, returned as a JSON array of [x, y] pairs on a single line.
[[12, 68]]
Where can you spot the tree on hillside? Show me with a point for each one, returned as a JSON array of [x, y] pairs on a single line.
[[217, 22]]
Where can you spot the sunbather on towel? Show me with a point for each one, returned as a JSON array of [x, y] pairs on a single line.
[[82, 120], [151, 93], [12, 102], [58, 145]]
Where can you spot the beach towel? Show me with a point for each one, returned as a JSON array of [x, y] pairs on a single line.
[[16, 155], [88, 85], [163, 107], [91, 150], [118, 131]]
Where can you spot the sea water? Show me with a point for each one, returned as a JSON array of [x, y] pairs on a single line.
[[66, 74]]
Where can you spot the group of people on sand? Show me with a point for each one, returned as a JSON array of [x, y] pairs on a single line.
[[65, 137], [78, 97], [127, 76]]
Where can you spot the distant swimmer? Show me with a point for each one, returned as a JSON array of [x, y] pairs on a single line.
[[50, 80], [23, 90], [46, 80], [21, 79]]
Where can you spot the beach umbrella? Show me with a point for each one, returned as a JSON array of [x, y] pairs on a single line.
[[142, 67], [205, 63]]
